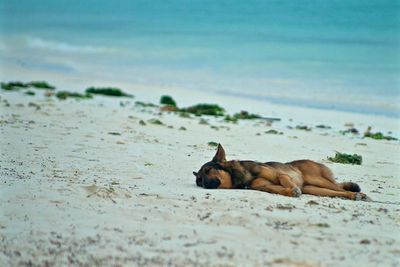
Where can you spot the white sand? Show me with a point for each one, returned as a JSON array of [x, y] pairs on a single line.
[[74, 194]]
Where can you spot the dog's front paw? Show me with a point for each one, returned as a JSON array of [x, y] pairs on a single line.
[[362, 196], [296, 192]]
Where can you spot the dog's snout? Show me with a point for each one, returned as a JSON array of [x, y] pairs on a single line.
[[211, 183], [199, 182]]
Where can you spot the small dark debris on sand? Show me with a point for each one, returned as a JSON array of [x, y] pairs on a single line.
[[145, 105], [272, 131], [155, 121], [285, 207], [303, 127], [212, 144], [323, 126]]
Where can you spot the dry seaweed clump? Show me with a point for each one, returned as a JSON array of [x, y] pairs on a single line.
[[108, 91], [62, 95], [344, 158], [205, 109]]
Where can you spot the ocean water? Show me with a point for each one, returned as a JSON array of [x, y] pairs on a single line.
[[337, 54]]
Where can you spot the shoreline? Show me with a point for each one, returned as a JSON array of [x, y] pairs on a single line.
[[230, 101], [79, 77]]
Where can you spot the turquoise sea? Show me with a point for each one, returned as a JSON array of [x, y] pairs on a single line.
[[337, 54]]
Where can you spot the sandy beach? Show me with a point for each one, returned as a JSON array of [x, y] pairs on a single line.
[[96, 183]]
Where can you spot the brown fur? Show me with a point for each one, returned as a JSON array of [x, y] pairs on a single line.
[[288, 179]]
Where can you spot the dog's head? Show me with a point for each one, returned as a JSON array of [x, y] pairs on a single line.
[[212, 174]]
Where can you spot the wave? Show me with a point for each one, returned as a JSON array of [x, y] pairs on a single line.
[[36, 42]]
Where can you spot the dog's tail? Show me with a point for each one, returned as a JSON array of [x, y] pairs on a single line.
[[349, 186]]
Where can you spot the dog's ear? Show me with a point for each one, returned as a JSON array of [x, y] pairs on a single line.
[[195, 174], [220, 155]]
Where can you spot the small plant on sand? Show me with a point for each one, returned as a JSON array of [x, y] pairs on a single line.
[[62, 95], [344, 158], [108, 91], [167, 100], [205, 109], [41, 85]]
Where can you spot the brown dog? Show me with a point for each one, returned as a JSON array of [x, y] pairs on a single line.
[[288, 179]]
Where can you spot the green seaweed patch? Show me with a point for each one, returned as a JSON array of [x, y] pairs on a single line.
[[379, 136], [41, 85], [62, 95], [32, 93], [205, 109], [11, 86], [167, 100], [344, 158], [155, 121], [213, 144], [107, 91]]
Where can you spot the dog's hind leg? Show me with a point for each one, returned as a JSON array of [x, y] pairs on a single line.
[[347, 186], [318, 191], [262, 184], [322, 182]]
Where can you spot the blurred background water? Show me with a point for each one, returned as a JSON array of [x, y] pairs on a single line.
[[337, 54]]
